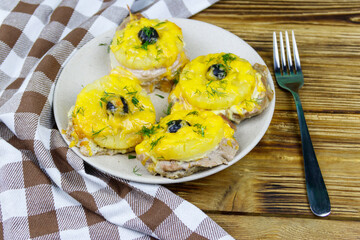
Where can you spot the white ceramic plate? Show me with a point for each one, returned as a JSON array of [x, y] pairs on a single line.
[[92, 62]]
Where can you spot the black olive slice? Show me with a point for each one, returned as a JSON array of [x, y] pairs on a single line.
[[175, 125], [125, 105], [148, 35], [114, 106], [111, 107], [216, 72]]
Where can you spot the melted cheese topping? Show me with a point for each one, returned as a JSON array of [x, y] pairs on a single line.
[[92, 119], [239, 92], [190, 142], [130, 53]]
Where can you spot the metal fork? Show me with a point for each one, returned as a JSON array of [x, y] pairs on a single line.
[[291, 78], [139, 5]]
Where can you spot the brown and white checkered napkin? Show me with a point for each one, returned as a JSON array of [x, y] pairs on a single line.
[[46, 191]]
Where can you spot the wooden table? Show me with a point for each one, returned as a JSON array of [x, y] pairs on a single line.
[[263, 195]]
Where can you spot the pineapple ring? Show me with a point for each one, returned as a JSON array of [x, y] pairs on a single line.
[[214, 94], [162, 48], [222, 83], [184, 136], [111, 111]]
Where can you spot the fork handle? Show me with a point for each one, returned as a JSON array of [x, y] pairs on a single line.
[[316, 190]]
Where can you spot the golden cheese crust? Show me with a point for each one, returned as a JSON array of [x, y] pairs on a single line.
[[109, 113], [222, 83], [183, 137], [151, 49]]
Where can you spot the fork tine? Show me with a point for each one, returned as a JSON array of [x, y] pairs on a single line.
[[276, 54], [288, 53], [283, 62], [296, 54]]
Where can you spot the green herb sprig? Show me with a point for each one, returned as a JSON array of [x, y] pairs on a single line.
[[160, 23], [155, 142], [134, 98], [95, 133], [78, 110], [168, 110], [196, 113], [149, 131], [227, 58], [200, 129], [136, 171]]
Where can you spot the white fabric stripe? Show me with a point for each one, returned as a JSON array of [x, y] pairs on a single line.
[[8, 120], [3, 15], [12, 64], [33, 28], [13, 204], [8, 154], [158, 10], [196, 6]]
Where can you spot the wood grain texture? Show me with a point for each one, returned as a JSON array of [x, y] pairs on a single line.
[[263, 196], [270, 179], [259, 227]]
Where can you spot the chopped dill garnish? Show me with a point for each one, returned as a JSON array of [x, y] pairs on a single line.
[[170, 122], [210, 59], [100, 102], [168, 110], [176, 76], [200, 129], [158, 52], [108, 94], [135, 101], [145, 45], [154, 143], [103, 44], [160, 23], [253, 100], [209, 82], [160, 96], [105, 97], [214, 92], [227, 58], [130, 92], [148, 31], [94, 133], [78, 110], [180, 38], [134, 98], [135, 171], [148, 131], [196, 113], [108, 48], [131, 156]]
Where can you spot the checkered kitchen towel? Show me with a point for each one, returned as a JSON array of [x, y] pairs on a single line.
[[46, 191]]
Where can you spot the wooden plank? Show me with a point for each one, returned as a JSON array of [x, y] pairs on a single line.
[[271, 180], [261, 227], [328, 39]]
